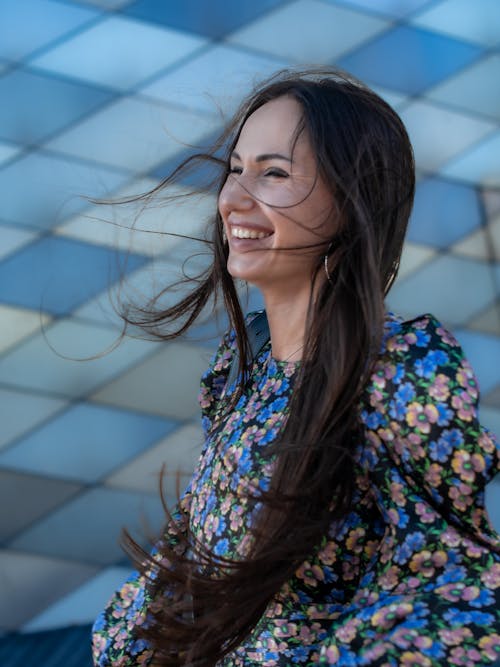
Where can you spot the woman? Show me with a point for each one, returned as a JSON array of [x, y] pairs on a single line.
[[336, 515]]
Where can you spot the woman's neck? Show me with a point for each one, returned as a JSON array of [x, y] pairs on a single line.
[[287, 315]]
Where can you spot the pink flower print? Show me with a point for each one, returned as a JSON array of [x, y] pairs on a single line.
[[451, 592], [464, 404], [466, 466], [98, 643], [331, 654], [461, 496], [474, 550], [328, 554], [413, 445], [460, 656], [390, 578], [348, 631], [425, 512], [454, 637], [450, 537], [433, 475], [210, 527], [285, 629], [225, 506], [486, 442], [350, 569], [204, 398], [120, 611], [121, 638], [470, 593], [447, 337], [376, 398], [390, 371], [379, 378], [491, 577], [413, 582], [387, 546], [410, 338], [386, 434], [397, 344], [423, 642], [122, 662], [421, 417], [424, 562], [490, 646], [387, 616], [466, 378], [310, 574], [403, 637], [371, 547], [397, 495], [414, 658], [372, 439], [439, 389], [305, 635], [354, 540]]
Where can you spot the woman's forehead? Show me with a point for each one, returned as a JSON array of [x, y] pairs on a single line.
[[272, 128]]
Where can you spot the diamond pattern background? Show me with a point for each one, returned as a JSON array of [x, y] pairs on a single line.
[[102, 98]]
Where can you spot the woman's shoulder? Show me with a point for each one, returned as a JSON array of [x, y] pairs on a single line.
[[421, 338], [222, 358], [213, 381]]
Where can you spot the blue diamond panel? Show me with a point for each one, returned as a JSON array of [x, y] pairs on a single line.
[[40, 105], [27, 25], [88, 528], [201, 174], [56, 275], [211, 19], [409, 60], [86, 442], [40, 190], [395, 8], [444, 212]]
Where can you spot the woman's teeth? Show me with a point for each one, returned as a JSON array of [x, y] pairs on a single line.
[[243, 233]]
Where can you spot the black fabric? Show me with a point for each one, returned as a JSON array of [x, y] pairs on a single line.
[[258, 335]]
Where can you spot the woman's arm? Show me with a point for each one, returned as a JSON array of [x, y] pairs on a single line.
[[422, 408]]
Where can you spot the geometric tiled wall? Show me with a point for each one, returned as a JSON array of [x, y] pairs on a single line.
[[100, 98]]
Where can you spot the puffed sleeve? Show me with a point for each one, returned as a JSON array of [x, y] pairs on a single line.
[[114, 641], [113, 634], [214, 381], [421, 410]]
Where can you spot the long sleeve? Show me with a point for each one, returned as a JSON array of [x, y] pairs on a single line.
[[113, 641], [422, 408], [431, 594]]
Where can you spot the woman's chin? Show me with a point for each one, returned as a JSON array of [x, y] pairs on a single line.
[[243, 270]]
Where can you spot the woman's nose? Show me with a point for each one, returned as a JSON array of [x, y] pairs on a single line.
[[235, 195]]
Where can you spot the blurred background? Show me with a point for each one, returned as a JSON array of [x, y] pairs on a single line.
[[102, 98]]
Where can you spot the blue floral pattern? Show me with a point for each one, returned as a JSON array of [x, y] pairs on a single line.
[[411, 576]]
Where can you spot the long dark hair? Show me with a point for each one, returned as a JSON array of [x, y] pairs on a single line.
[[364, 154]]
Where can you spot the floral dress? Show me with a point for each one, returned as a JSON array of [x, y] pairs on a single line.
[[411, 576]]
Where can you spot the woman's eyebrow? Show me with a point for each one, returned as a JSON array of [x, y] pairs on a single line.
[[264, 157]]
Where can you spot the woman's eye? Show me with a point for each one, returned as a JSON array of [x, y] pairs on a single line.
[[234, 170], [277, 173]]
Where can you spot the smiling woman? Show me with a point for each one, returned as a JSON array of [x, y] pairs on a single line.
[[336, 515], [275, 200]]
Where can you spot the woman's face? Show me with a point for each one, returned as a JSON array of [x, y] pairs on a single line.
[[278, 214]]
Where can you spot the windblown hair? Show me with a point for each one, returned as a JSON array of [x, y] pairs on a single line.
[[205, 605]]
